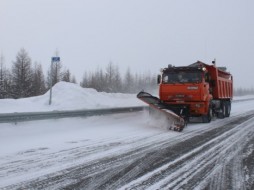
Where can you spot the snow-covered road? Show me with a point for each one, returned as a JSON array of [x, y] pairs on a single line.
[[129, 151]]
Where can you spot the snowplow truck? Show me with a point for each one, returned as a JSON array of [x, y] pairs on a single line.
[[198, 90]]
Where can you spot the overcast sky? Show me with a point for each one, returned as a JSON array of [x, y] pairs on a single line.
[[144, 35]]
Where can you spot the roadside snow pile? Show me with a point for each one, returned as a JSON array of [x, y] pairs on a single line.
[[69, 96]]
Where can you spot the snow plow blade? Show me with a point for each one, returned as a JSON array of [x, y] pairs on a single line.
[[176, 122]]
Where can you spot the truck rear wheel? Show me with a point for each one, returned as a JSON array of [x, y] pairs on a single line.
[[222, 112], [227, 108]]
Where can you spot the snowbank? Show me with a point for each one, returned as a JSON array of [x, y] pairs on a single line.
[[69, 96]]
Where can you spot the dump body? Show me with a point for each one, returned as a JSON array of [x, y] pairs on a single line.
[[221, 83]]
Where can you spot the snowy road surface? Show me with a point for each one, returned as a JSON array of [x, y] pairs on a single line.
[[129, 151]]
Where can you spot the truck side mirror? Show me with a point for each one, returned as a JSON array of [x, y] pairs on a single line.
[[158, 79]]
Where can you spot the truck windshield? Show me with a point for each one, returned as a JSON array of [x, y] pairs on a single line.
[[181, 77]]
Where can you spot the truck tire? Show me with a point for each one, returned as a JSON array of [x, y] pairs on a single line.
[[222, 113], [208, 117], [227, 108]]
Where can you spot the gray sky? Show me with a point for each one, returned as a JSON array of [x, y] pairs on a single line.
[[144, 35]]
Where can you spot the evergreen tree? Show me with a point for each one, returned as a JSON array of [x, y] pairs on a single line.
[[5, 80], [38, 87], [73, 79], [128, 82], [117, 81], [99, 81], [109, 77], [66, 76], [22, 75], [84, 83]]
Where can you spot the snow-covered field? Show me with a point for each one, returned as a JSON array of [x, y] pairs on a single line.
[[32, 152]]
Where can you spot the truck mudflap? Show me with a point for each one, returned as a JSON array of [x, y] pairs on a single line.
[[175, 115]]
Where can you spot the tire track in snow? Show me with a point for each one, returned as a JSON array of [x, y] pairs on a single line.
[[34, 160], [137, 159], [248, 164], [140, 165], [198, 165], [91, 165]]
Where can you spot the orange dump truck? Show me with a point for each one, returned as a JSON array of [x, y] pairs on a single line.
[[197, 90]]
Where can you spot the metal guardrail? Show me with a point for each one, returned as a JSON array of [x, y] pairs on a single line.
[[243, 100], [29, 116]]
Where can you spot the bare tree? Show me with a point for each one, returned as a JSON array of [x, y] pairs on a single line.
[[56, 73], [110, 80], [113, 78], [96, 80]]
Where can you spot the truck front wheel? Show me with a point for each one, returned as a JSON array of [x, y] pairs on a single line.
[[208, 117]]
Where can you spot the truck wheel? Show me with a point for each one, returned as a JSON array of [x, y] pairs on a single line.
[[227, 109], [222, 113], [207, 118]]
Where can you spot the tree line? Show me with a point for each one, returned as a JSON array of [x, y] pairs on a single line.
[[110, 80], [243, 91], [27, 79]]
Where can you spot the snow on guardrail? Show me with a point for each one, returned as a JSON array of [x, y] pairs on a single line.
[[29, 116]]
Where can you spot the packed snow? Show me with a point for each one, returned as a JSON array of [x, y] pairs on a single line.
[[40, 139]]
